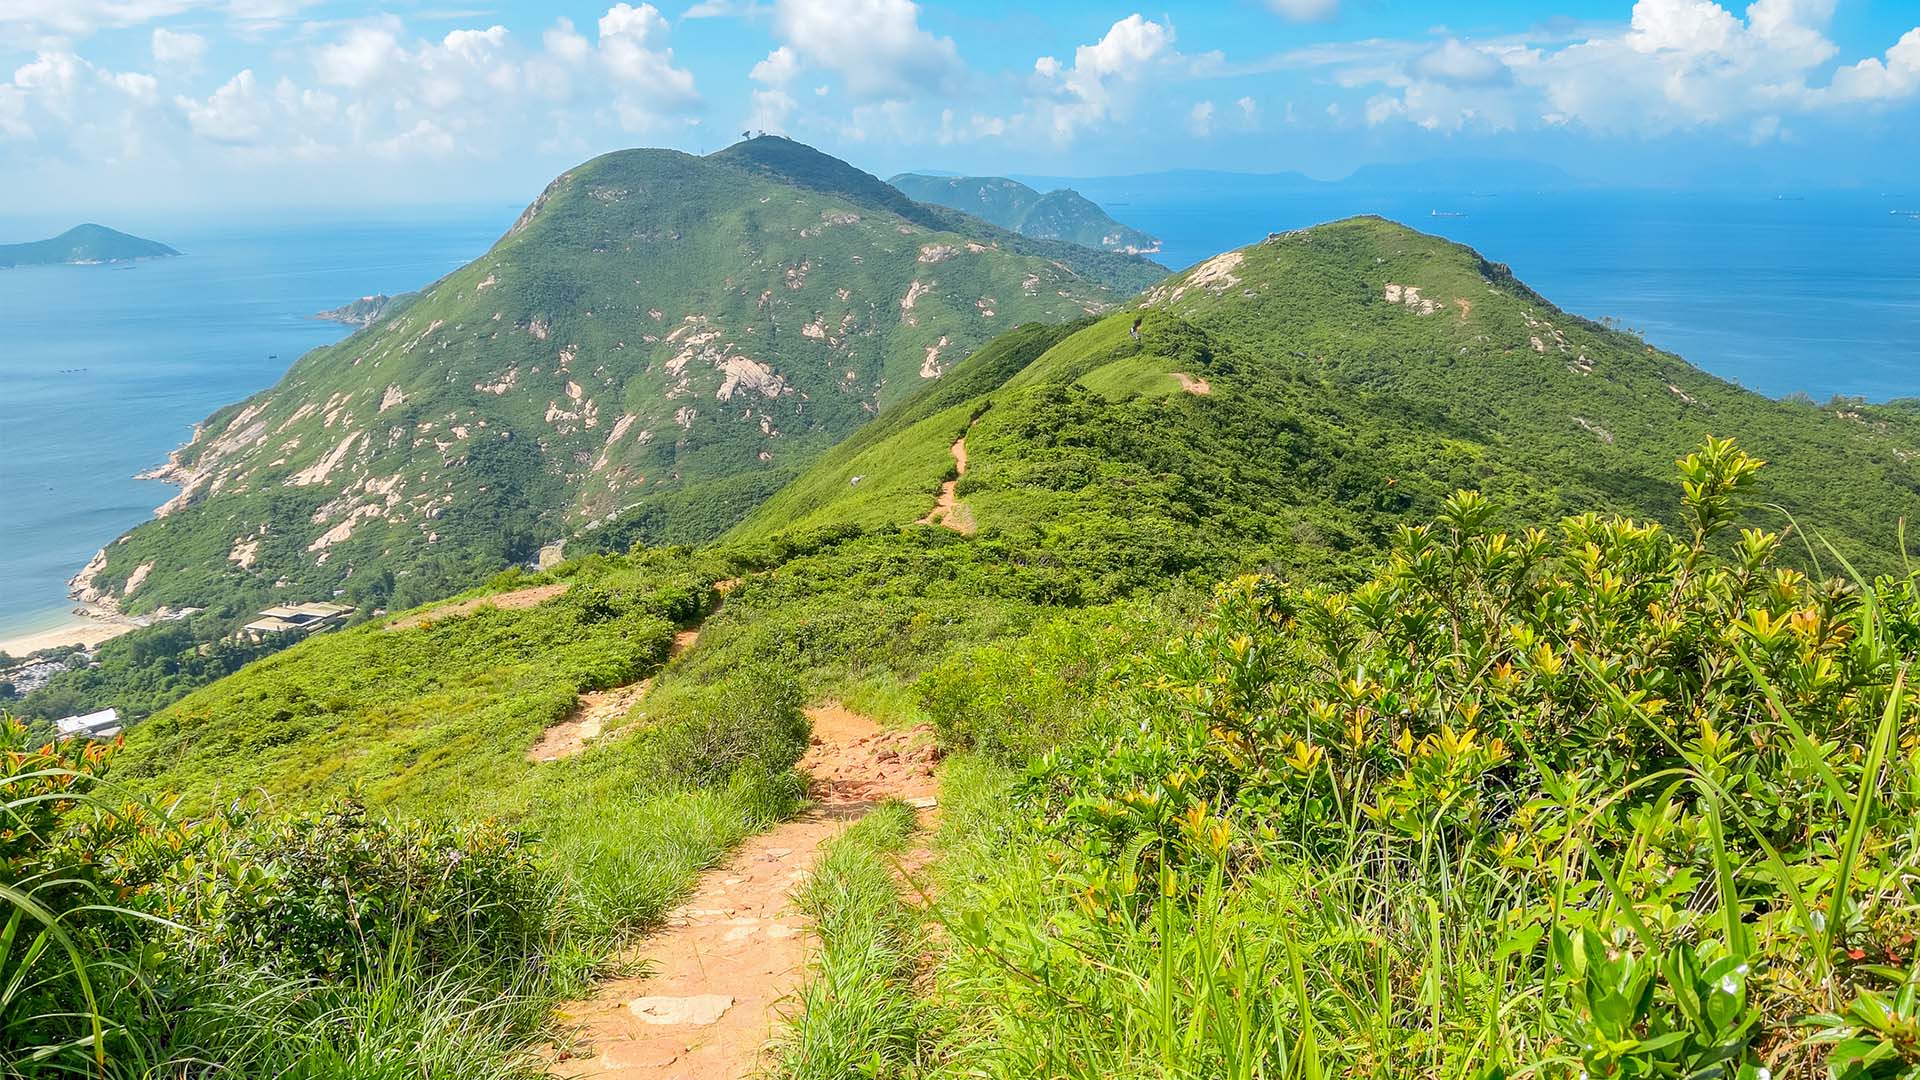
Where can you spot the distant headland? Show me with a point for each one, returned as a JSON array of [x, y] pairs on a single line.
[[84, 245]]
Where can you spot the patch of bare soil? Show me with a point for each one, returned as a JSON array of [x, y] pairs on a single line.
[[519, 598], [589, 718], [1192, 384], [948, 510], [735, 949]]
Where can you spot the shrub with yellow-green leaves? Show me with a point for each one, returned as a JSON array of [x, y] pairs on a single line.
[[1623, 740]]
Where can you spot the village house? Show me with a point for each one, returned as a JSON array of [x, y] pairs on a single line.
[[97, 726], [296, 618]]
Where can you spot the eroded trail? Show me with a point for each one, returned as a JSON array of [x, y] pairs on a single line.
[[735, 948], [532, 596], [589, 718], [948, 510]]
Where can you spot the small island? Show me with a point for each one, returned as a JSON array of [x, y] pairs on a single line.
[[84, 245]]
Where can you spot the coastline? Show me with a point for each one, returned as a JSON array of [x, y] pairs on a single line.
[[87, 630]]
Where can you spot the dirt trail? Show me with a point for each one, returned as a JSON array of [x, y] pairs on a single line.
[[949, 510], [1192, 384], [734, 950], [519, 598], [589, 718]]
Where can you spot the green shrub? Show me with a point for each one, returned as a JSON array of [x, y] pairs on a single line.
[[333, 891]]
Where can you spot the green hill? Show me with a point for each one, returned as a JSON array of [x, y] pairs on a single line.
[[1057, 215], [660, 341], [83, 244], [1285, 407], [1356, 374]]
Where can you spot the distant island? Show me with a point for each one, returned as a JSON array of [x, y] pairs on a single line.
[[84, 245], [1064, 214], [367, 310]]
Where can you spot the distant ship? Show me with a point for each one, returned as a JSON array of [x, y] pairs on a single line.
[[1790, 198], [1445, 213]]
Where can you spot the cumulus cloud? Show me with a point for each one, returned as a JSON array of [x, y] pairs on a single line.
[[1200, 118], [367, 89], [172, 49], [1104, 77], [1676, 65], [772, 104], [1873, 79], [1461, 64], [877, 47]]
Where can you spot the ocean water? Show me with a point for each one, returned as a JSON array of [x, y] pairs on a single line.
[[103, 370]]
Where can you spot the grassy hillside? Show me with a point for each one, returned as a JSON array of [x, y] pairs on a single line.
[[1098, 474], [654, 326], [1057, 215], [1273, 752], [1356, 374], [83, 244]]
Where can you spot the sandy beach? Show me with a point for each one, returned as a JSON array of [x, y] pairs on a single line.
[[76, 630]]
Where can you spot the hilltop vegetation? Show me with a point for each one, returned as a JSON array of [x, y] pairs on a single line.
[[83, 244], [656, 330], [1064, 214]]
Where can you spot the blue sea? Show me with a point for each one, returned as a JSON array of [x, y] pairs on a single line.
[[103, 369]]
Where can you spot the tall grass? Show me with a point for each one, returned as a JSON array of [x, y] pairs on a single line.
[[857, 1015]]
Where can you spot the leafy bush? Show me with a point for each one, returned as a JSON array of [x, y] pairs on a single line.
[[329, 892]]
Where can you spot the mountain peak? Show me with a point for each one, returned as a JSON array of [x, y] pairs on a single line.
[[789, 161]]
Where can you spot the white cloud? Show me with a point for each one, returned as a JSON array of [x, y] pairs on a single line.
[[1305, 10], [633, 49], [372, 90], [780, 68], [80, 18], [1455, 62], [1200, 118], [1677, 65], [236, 114], [1104, 75], [1249, 109], [772, 105], [877, 47], [1897, 76], [365, 55], [173, 49]]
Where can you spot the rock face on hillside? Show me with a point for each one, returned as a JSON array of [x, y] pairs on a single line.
[[654, 326], [1057, 215], [84, 245], [365, 311]]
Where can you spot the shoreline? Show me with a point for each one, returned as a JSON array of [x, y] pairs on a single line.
[[87, 630]]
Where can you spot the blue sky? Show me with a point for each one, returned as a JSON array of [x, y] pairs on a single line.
[[161, 103]]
